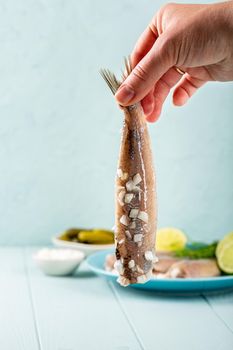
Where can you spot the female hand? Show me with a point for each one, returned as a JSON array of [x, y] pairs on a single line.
[[198, 39]]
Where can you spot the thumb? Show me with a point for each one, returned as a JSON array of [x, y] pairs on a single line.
[[147, 72]]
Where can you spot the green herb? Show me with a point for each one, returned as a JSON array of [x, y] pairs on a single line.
[[197, 250]]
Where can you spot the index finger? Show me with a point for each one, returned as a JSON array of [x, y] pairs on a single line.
[[144, 44]]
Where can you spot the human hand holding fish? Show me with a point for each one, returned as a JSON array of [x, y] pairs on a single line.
[[184, 46]]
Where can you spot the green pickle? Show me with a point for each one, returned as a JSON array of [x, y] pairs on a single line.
[[88, 236]]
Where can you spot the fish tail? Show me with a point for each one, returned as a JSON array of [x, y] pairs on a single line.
[[110, 78]]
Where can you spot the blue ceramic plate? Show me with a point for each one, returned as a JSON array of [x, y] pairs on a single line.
[[189, 285]]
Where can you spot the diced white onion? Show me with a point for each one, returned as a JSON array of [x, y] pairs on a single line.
[[118, 266], [134, 213], [123, 281], [137, 179], [128, 234], [137, 237], [124, 220], [137, 189], [119, 173], [129, 185], [132, 225], [128, 197], [149, 255], [141, 279], [143, 216], [120, 197], [131, 264], [124, 176]]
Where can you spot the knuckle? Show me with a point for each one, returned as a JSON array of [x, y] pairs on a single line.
[[165, 49], [140, 73], [172, 47], [167, 7], [164, 84]]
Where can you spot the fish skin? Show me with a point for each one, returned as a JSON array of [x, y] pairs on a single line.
[[135, 158]]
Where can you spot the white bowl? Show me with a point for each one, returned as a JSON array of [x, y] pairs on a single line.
[[87, 249], [58, 262]]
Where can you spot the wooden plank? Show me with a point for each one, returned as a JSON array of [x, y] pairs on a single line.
[[17, 327], [78, 313], [222, 305], [166, 323]]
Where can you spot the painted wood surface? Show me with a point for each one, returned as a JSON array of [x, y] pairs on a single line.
[[17, 323], [86, 312], [175, 322]]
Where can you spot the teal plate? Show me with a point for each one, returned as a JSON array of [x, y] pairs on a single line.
[[177, 285]]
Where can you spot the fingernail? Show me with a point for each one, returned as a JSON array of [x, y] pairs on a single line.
[[124, 94]]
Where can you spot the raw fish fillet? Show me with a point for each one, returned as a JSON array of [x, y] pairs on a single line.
[[193, 269]]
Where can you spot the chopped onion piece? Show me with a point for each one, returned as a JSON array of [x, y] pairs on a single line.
[[128, 234], [143, 216], [118, 266], [137, 179], [124, 176], [123, 281], [131, 264], [128, 197], [137, 189], [141, 279], [129, 185], [121, 241], [120, 197], [149, 255], [134, 213], [137, 237], [124, 220], [132, 225], [119, 173]]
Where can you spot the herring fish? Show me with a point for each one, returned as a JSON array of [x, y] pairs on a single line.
[[193, 269], [135, 205]]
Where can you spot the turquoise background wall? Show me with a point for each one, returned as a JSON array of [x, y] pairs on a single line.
[[60, 127]]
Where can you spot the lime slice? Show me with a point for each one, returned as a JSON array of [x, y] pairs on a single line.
[[170, 239], [224, 253], [225, 258], [226, 239]]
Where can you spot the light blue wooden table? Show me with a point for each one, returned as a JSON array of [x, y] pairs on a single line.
[[86, 312]]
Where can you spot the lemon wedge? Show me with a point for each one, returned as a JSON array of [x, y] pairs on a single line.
[[170, 239], [224, 253]]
